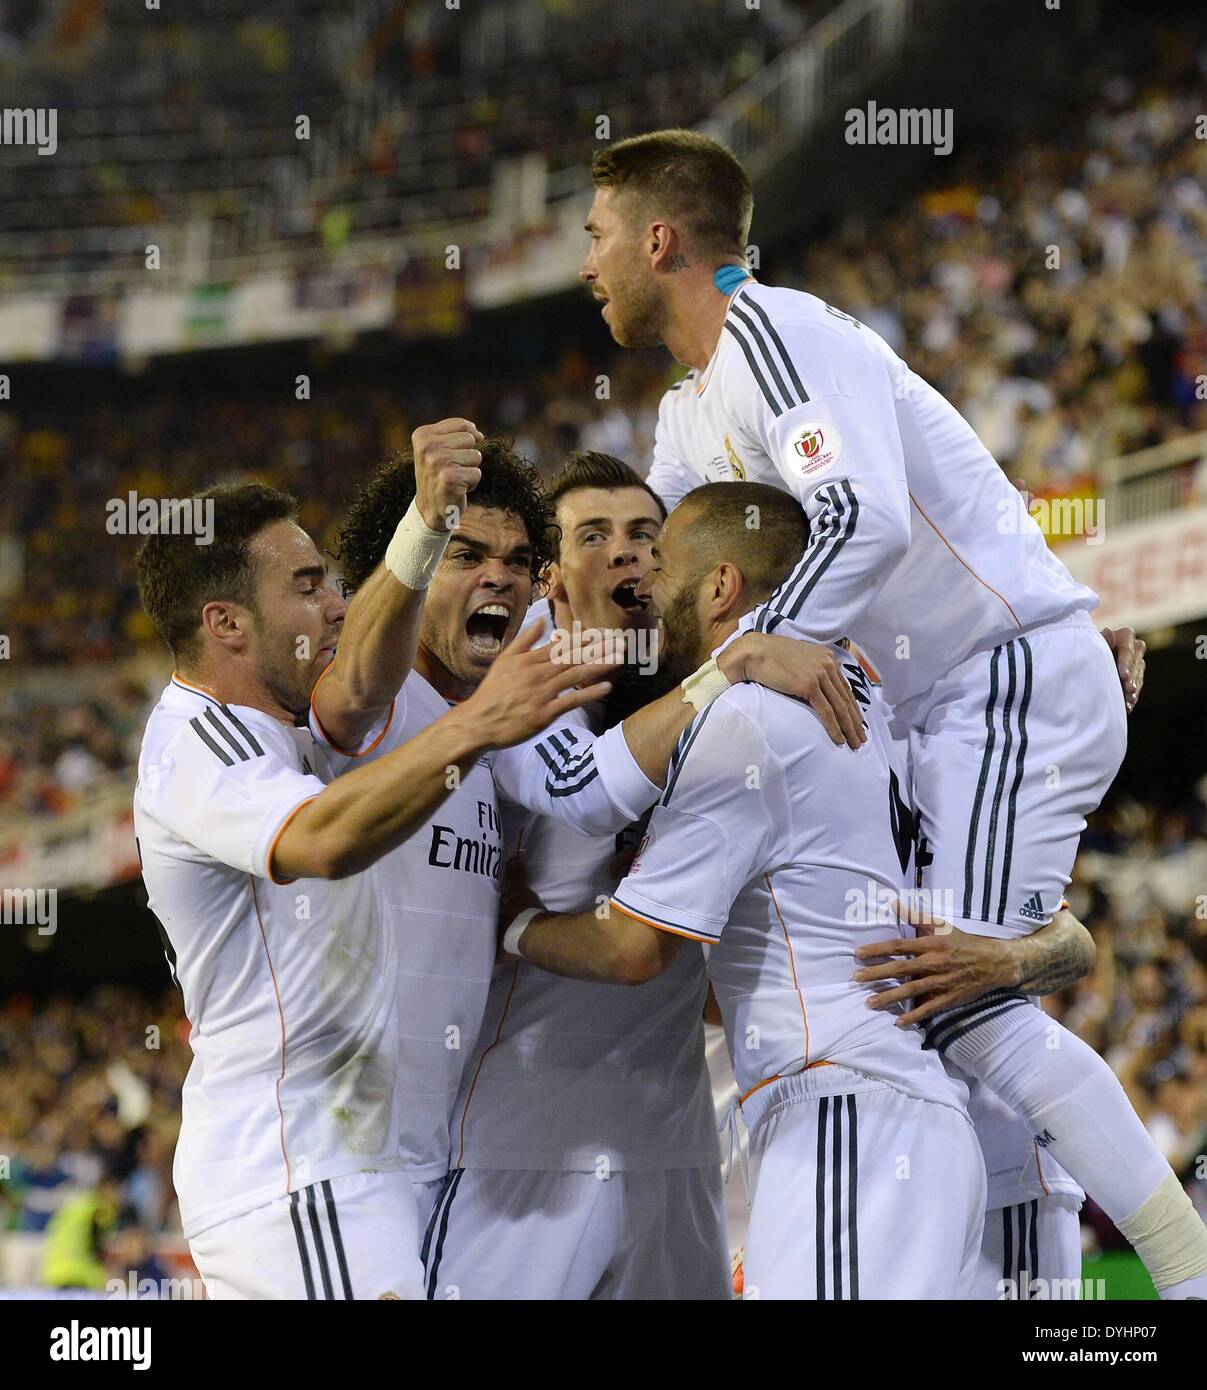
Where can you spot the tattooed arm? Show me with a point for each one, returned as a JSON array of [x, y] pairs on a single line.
[[1054, 957], [943, 967]]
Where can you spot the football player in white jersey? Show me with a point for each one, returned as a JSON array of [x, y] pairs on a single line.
[[777, 851], [259, 868], [922, 552], [441, 884], [585, 1153]]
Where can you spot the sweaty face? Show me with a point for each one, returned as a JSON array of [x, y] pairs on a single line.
[[673, 587], [608, 535], [297, 617], [618, 273], [479, 594]]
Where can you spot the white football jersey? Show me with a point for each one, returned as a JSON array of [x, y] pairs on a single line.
[[441, 890], [784, 852], [289, 987], [572, 1076], [920, 548], [441, 893]]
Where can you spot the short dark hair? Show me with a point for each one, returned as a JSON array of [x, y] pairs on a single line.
[[589, 468], [509, 482], [177, 577], [766, 553], [690, 178]]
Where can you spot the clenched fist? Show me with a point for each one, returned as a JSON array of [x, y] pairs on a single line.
[[448, 466]]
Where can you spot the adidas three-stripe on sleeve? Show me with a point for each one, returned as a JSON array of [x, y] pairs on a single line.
[[831, 431], [225, 789]]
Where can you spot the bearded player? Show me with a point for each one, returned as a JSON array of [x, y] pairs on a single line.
[[922, 551]]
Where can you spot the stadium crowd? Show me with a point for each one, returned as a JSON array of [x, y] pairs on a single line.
[[191, 115], [1057, 368], [90, 1088]]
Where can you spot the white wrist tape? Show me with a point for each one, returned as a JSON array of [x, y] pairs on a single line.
[[702, 687], [415, 551], [511, 937]]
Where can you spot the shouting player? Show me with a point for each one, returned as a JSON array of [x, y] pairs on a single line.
[[585, 1152], [259, 867], [921, 551], [772, 847], [433, 611]]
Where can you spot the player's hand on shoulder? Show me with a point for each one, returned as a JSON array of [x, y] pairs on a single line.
[[530, 687], [448, 466], [802, 669]]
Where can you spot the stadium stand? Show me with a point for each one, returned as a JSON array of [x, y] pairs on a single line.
[[1062, 370]]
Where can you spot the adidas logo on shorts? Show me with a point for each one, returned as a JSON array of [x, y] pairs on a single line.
[[1033, 909]]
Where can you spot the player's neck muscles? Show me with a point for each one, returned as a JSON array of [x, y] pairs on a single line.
[[440, 678], [696, 336]]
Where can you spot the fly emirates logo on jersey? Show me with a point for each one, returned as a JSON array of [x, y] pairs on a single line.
[[476, 852]]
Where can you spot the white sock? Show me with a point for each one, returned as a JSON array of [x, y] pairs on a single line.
[[1081, 1115]]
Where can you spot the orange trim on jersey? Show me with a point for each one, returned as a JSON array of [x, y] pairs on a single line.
[[791, 961], [660, 926], [964, 562], [281, 1013], [328, 740], [197, 689], [515, 975], [777, 1077], [272, 849]]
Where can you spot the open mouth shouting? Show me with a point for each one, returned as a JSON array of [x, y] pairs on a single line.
[[635, 611], [486, 628], [624, 595]]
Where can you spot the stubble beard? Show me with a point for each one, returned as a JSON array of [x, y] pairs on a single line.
[[642, 322]]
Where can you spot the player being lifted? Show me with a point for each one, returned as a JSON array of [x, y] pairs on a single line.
[[921, 551]]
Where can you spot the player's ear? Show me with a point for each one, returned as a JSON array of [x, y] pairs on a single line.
[[552, 579], [726, 588], [225, 621], [662, 242]]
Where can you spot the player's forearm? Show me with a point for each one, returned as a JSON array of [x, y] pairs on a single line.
[[613, 950], [370, 810], [1054, 957], [652, 733], [375, 655]]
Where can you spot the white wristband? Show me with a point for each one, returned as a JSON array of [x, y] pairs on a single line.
[[702, 687], [511, 937], [415, 550]]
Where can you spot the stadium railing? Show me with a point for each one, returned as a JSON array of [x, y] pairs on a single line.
[[1141, 486], [768, 114]]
